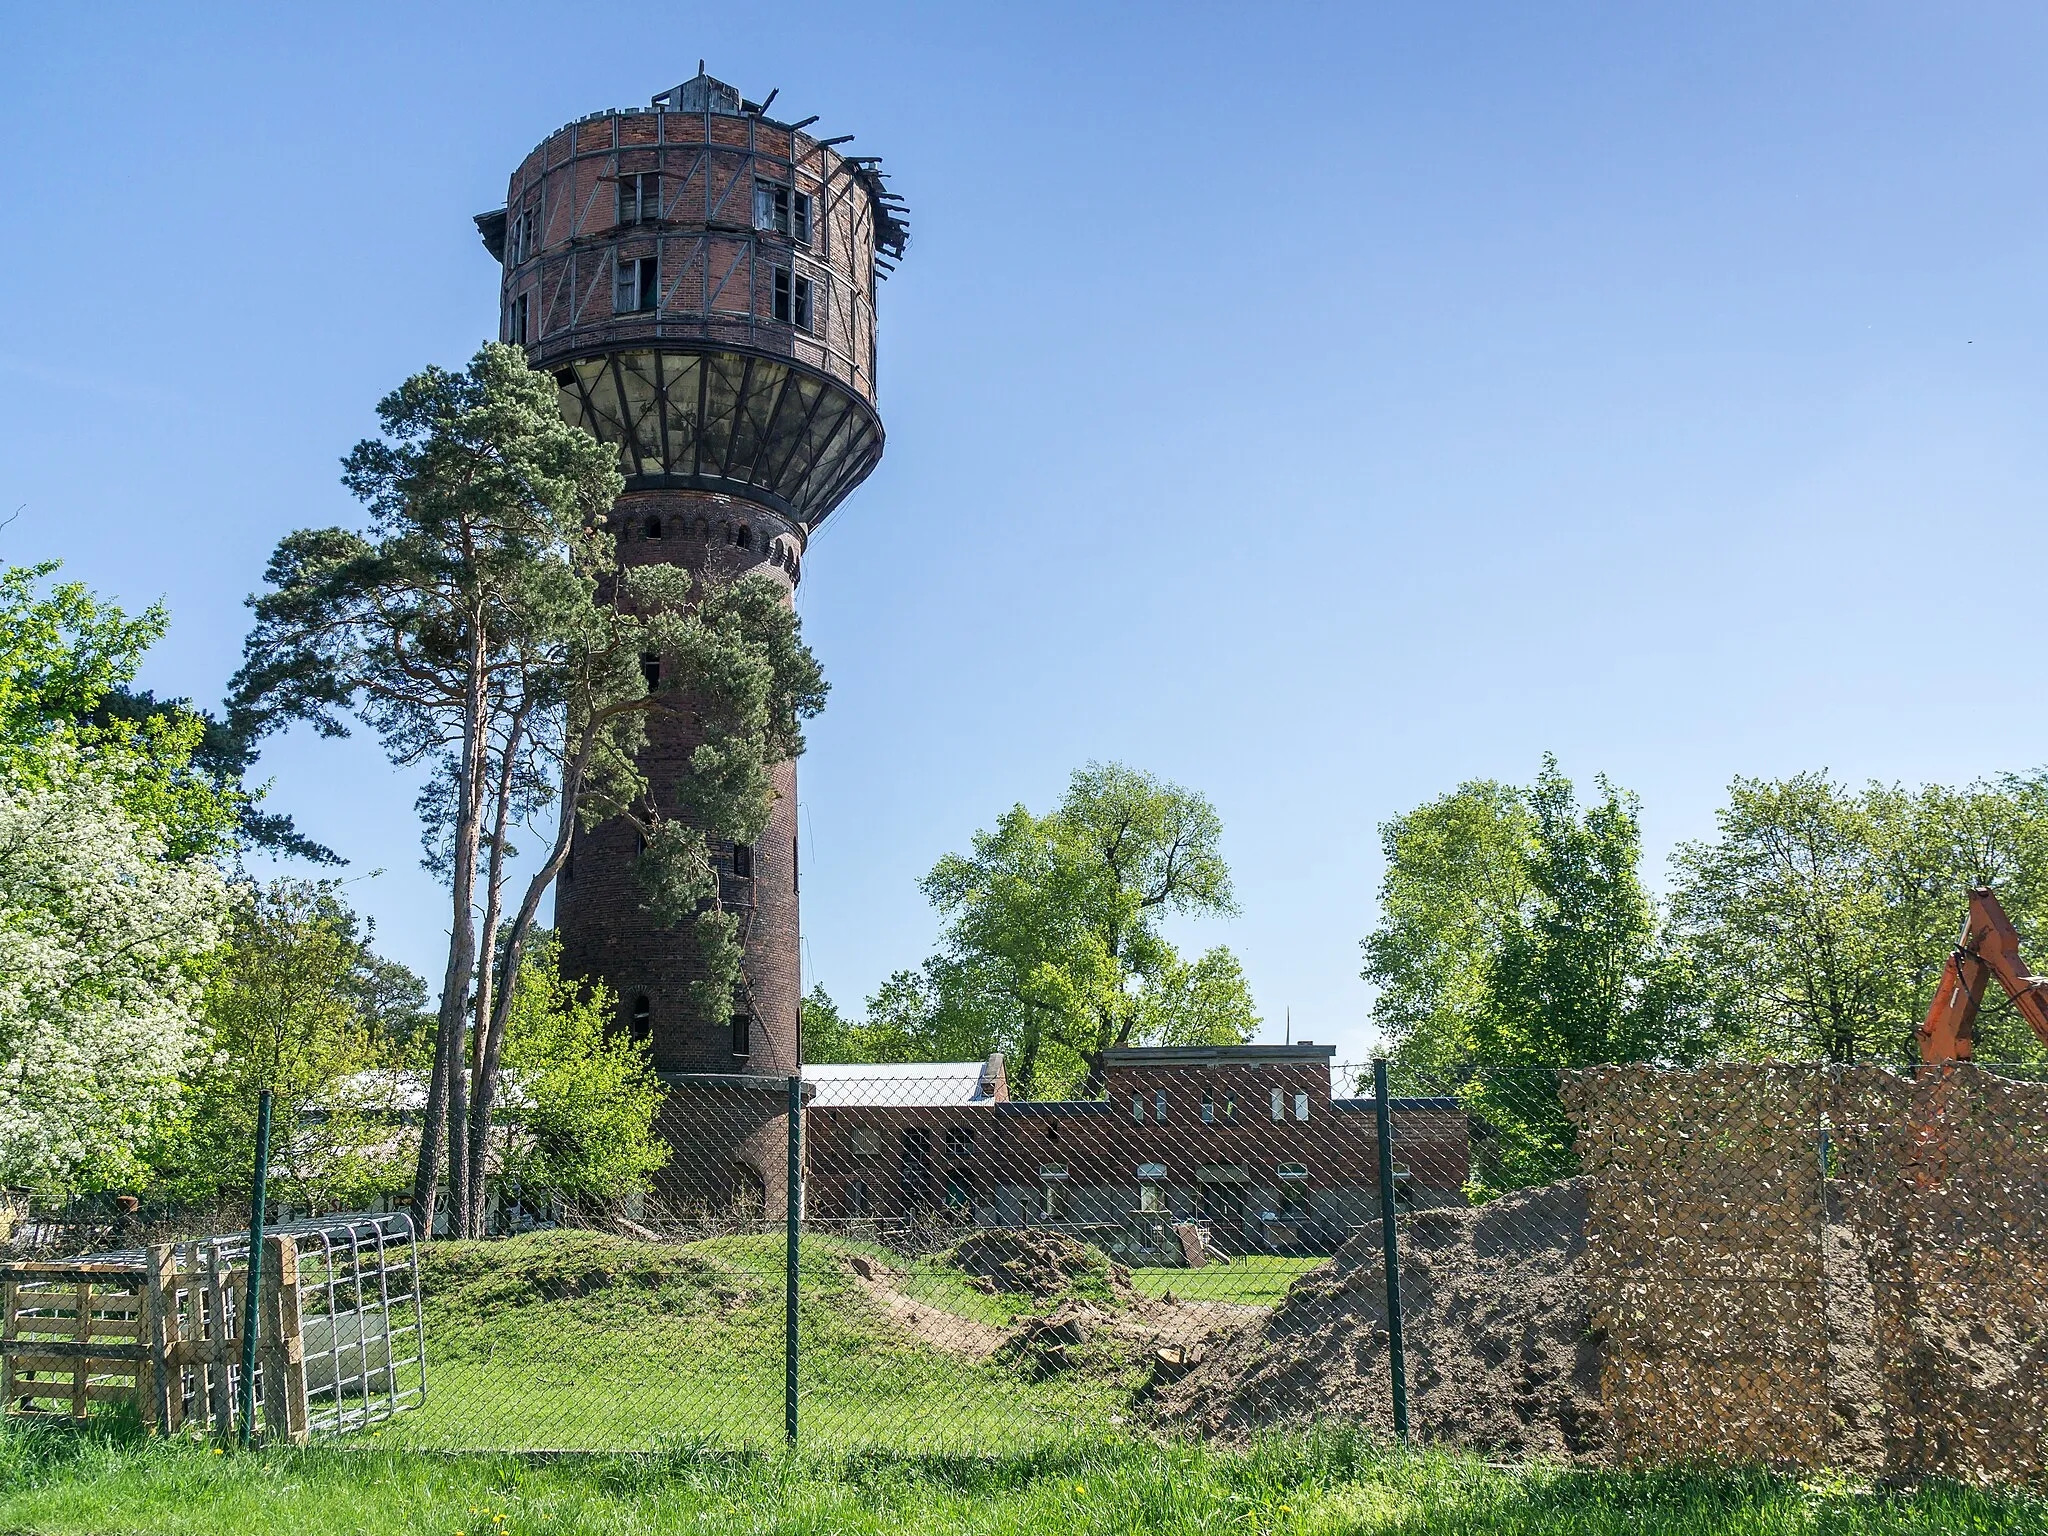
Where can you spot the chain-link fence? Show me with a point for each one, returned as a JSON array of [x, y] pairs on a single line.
[[1797, 1265]]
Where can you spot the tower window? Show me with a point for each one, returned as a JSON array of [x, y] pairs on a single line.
[[638, 284], [518, 323], [743, 861], [650, 668], [793, 882], [784, 210], [1279, 1106], [643, 1018], [793, 298], [746, 537], [652, 528], [742, 1034], [640, 198]]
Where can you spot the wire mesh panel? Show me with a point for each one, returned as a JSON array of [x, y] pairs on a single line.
[[658, 1323], [1939, 1192], [1164, 1251]]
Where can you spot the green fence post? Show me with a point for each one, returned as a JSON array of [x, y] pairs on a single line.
[[251, 1303], [1390, 1245], [792, 1218]]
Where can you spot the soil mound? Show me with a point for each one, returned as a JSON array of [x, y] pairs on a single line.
[[1037, 1264], [1501, 1351]]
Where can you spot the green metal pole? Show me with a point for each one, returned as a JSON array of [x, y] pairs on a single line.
[[792, 1217], [1390, 1245], [251, 1301]]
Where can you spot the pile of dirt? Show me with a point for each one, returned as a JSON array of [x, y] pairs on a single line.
[[1498, 1332], [1042, 1265]]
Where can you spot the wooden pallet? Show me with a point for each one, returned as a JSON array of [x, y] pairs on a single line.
[[165, 1335]]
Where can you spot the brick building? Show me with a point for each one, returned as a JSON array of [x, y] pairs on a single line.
[[700, 278], [1247, 1139]]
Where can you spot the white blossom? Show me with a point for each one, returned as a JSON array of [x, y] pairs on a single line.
[[99, 992]]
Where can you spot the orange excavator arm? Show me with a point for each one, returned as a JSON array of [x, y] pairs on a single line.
[[1989, 947]]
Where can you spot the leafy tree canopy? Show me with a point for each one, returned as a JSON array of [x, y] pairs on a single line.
[[1053, 952], [1822, 915]]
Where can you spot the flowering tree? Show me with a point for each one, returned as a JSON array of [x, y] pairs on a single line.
[[103, 929]]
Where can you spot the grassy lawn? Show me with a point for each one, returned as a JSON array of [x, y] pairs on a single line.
[[56, 1483], [579, 1340], [1257, 1280]]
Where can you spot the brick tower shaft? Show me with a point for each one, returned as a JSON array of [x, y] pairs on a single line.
[[700, 278]]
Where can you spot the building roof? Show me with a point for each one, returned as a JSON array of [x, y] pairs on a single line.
[[1214, 1055], [907, 1085]]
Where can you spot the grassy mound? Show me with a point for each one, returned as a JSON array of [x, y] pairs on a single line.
[[571, 1340]]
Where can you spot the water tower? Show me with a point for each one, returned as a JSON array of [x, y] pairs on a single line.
[[700, 279]]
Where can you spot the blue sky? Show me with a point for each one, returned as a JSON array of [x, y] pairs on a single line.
[[1316, 406]]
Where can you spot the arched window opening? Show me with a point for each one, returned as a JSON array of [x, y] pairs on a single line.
[[650, 668], [643, 1018], [746, 537], [703, 529], [653, 528]]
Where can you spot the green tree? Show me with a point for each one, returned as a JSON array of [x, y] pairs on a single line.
[[1823, 915], [586, 1094], [1516, 938], [1456, 880], [485, 630], [110, 894], [1054, 930], [439, 628], [292, 1007]]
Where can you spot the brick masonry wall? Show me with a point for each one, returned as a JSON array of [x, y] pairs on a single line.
[[605, 932]]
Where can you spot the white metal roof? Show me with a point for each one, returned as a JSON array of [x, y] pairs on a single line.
[[906, 1085]]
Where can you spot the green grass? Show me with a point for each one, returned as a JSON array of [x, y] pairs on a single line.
[[579, 1340], [1257, 1280], [57, 1483]]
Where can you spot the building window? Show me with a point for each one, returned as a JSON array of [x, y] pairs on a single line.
[[1148, 1198], [794, 883], [1138, 1107], [640, 198], [867, 1141], [643, 1018], [638, 284], [1159, 1106], [784, 210], [650, 669], [793, 298], [1230, 1106], [518, 325], [857, 1198], [1208, 1108], [746, 537], [652, 528], [1279, 1106], [1055, 1200], [1301, 1106], [959, 1141], [742, 1034], [743, 861]]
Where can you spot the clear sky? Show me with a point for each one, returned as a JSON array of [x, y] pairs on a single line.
[[1316, 406]]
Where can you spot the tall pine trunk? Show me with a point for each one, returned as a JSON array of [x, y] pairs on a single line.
[[445, 1096]]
